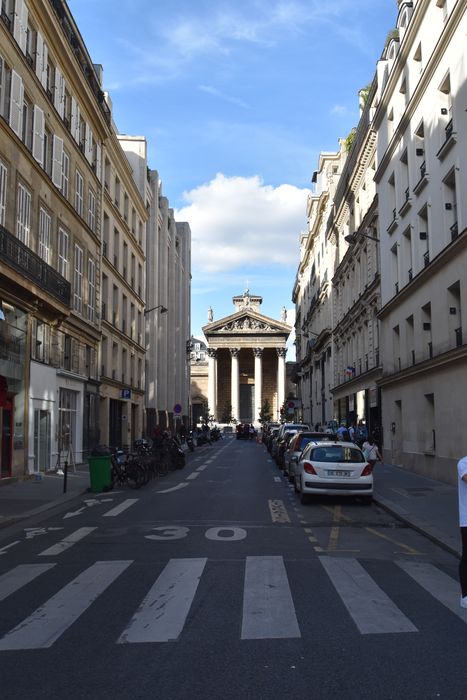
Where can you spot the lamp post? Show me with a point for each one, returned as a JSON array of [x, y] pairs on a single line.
[[159, 306], [352, 237]]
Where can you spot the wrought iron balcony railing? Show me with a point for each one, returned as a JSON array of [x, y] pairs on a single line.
[[21, 258]]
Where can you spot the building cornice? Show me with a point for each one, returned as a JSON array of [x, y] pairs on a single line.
[[451, 357]]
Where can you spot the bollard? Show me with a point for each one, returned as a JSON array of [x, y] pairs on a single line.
[[65, 475]]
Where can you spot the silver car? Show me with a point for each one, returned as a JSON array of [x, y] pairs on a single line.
[[333, 469]]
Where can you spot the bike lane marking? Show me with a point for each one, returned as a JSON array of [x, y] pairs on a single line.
[[120, 508], [278, 511], [192, 476], [174, 488]]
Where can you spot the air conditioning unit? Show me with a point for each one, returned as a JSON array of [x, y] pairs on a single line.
[[423, 235], [448, 206], [427, 326], [419, 151], [444, 111]]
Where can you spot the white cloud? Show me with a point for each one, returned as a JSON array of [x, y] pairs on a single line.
[[210, 90], [240, 221]]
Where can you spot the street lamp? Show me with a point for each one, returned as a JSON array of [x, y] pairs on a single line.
[[352, 237], [159, 306]]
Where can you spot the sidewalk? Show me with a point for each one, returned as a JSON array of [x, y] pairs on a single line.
[[428, 506], [25, 498]]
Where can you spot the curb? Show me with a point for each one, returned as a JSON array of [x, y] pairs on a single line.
[[418, 525], [15, 519]]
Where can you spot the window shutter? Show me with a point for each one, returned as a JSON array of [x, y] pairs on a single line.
[[88, 144], [17, 21], [75, 119], [23, 28], [59, 96], [16, 103], [39, 55], [38, 135], [57, 153], [99, 162], [45, 59]]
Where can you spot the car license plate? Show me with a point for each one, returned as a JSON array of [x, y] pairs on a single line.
[[338, 472]]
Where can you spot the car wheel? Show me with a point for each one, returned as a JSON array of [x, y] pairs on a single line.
[[296, 489], [304, 498]]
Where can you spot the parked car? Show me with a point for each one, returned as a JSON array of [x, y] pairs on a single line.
[[269, 440], [296, 446], [333, 468], [282, 446], [294, 427]]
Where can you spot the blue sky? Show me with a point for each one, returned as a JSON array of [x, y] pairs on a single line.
[[236, 99]]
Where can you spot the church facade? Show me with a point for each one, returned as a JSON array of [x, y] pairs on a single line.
[[246, 361]]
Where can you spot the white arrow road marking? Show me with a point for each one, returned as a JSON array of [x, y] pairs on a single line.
[[74, 513], [120, 508], [67, 542], [8, 546], [174, 488]]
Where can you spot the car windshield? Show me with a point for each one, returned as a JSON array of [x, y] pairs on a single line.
[[336, 453]]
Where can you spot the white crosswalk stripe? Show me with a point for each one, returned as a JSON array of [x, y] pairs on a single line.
[[441, 586], [120, 508], [268, 610], [162, 614], [41, 629], [371, 609], [18, 577]]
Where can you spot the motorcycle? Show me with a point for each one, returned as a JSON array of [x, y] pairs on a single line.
[[189, 441], [177, 456]]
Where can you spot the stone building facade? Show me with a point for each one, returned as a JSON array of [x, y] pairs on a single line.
[[246, 361]]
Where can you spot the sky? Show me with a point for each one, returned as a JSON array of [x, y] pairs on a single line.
[[236, 99]]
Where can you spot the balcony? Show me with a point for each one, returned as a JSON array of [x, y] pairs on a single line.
[[22, 259], [426, 258], [406, 204], [423, 179], [454, 231], [450, 140], [458, 332], [393, 225]]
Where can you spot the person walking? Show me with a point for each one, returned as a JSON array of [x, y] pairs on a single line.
[[462, 488], [371, 452]]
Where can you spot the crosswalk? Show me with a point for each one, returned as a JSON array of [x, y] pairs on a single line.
[[269, 610]]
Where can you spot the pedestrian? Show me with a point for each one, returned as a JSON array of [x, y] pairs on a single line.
[[462, 486], [351, 432], [371, 452]]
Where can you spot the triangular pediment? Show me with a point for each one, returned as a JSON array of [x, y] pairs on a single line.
[[246, 323]]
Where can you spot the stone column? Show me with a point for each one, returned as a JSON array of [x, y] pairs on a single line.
[[235, 384], [258, 353], [281, 353], [212, 381]]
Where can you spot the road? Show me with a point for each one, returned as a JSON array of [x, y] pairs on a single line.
[[215, 582]]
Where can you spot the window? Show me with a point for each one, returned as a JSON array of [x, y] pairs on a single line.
[[63, 255], [125, 207], [26, 132], [3, 183], [79, 193], [44, 235], [40, 341], [23, 215], [91, 210], [65, 174], [91, 289], [78, 280], [4, 88], [117, 192]]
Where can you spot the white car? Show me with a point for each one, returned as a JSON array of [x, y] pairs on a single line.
[[333, 469]]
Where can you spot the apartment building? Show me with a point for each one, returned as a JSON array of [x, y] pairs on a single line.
[[168, 314], [421, 176], [122, 359], [353, 226], [312, 295], [53, 121]]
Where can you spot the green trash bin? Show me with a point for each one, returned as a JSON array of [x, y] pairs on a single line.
[[100, 472]]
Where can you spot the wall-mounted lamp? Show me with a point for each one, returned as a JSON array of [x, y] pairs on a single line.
[[159, 306], [353, 237]]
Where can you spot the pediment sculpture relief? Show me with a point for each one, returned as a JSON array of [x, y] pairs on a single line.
[[246, 324]]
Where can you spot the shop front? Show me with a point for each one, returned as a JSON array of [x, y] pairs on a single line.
[[13, 335]]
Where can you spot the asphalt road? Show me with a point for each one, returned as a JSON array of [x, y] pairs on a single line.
[[215, 582]]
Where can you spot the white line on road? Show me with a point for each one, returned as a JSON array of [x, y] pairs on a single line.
[[371, 609], [268, 609], [278, 512], [277, 478], [441, 586], [120, 508], [67, 542], [174, 488], [19, 576], [192, 476], [41, 629], [162, 614], [202, 468]]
